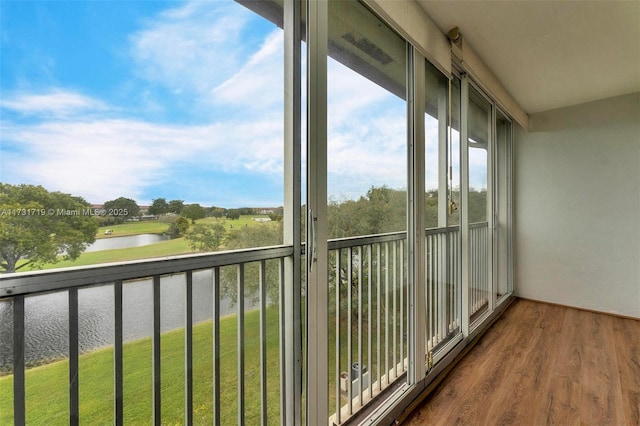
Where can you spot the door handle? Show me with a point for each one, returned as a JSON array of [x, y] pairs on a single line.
[[312, 243]]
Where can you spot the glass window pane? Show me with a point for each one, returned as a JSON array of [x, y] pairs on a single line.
[[366, 123], [503, 205], [367, 175], [149, 111], [479, 125]]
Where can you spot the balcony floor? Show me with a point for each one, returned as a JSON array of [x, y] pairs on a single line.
[[544, 364]]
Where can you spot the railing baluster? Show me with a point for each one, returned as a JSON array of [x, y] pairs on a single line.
[[118, 355], [386, 313], [241, 344], [157, 369], [441, 284], [449, 281], [369, 318], [429, 292], [349, 327], [360, 364], [401, 289], [283, 341], [263, 342], [19, 410], [74, 396], [338, 343], [395, 309], [188, 351], [216, 346], [378, 314]]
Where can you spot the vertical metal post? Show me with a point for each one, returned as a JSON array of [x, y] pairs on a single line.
[[282, 327], [291, 341], [349, 327], [464, 201], [188, 351], [317, 289], [492, 207], [378, 315], [216, 346], [240, 343], [395, 310], [157, 371], [263, 342], [360, 313], [338, 340], [387, 343], [19, 411], [118, 355], [74, 388], [369, 319], [509, 171]]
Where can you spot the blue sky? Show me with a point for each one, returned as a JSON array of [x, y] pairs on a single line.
[[181, 100], [142, 99]]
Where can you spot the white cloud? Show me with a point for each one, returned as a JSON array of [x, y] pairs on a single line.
[[260, 82], [366, 135], [56, 102], [192, 48], [107, 158]]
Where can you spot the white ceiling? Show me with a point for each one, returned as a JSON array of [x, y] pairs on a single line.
[[551, 54]]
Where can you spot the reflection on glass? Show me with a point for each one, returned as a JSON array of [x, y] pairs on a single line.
[[479, 125], [437, 151], [366, 124], [367, 175], [453, 181], [503, 205]]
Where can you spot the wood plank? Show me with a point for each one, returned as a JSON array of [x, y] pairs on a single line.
[[564, 393], [626, 335], [544, 364], [601, 394]]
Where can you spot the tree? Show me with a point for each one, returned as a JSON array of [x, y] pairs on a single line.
[[122, 208], [206, 237], [175, 206], [233, 214], [216, 211], [258, 235], [159, 207], [42, 227], [178, 227], [193, 212]]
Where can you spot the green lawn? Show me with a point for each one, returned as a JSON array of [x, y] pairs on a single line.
[[47, 386], [161, 249], [160, 227], [133, 228]]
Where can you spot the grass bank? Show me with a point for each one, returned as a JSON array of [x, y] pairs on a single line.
[[161, 226], [133, 228], [161, 249], [47, 399]]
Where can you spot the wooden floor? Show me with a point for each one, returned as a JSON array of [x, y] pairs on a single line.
[[544, 364]]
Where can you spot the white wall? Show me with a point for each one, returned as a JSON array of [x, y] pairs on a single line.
[[577, 206]]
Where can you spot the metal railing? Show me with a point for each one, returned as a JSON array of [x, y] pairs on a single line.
[[368, 311], [18, 287], [479, 291], [368, 306], [443, 284]]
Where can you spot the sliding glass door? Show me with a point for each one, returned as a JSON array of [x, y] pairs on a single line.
[[366, 208], [479, 204]]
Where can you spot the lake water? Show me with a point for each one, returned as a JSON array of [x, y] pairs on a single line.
[[126, 242], [47, 323]]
